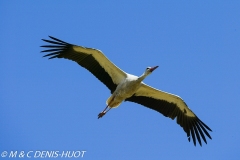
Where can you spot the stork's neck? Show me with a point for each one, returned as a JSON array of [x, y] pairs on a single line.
[[142, 77]]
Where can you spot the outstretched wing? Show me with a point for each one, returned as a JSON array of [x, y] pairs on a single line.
[[91, 59], [172, 106]]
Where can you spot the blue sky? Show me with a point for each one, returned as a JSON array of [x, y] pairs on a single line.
[[52, 105]]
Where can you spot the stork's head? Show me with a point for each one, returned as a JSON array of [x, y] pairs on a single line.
[[149, 70]]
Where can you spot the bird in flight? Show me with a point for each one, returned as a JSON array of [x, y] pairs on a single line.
[[128, 87]]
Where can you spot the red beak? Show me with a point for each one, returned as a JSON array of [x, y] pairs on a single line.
[[153, 68]]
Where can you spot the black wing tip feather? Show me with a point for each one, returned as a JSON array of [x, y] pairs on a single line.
[[55, 48], [58, 40], [197, 130]]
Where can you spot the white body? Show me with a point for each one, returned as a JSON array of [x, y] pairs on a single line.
[[124, 90]]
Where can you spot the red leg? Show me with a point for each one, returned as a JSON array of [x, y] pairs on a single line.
[[100, 115]]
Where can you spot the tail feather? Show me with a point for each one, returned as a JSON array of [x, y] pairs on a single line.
[[111, 103], [109, 100]]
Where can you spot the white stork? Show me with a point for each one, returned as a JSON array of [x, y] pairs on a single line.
[[127, 87]]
